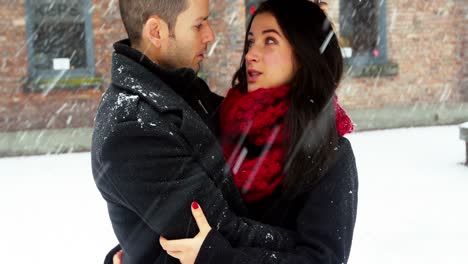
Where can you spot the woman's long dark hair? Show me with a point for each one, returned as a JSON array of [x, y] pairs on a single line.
[[310, 122]]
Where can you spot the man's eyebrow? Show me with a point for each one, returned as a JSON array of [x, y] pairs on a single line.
[[203, 18]]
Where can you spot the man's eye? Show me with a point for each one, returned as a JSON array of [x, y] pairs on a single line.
[[198, 26]]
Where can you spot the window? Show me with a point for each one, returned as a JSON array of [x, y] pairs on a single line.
[[250, 7], [60, 44], [363, 33]]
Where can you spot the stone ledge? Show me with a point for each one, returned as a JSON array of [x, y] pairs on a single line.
[[372, 70], [36, 142], [51, 84], [409, 116]]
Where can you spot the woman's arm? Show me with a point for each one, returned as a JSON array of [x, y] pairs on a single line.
[[325, 225]]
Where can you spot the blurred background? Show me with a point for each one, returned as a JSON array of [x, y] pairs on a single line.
[[406, 64], [405, 87]]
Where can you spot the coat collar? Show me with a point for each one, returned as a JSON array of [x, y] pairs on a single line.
[[145, 79], [133, 71]]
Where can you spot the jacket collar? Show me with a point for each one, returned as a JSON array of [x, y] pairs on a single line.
[[135, 72]]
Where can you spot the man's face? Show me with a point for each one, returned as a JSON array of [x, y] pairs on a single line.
[[188, 43]]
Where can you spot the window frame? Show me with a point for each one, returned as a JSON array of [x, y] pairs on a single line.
[[37, 74], [382, 35], [248, 5]]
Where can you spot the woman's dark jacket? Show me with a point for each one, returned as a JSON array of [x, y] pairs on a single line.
[[323, 217]]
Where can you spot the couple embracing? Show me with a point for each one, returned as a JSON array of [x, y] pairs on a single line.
[[263, 175]]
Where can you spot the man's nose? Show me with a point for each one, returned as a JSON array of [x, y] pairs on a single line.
[[209, 35]]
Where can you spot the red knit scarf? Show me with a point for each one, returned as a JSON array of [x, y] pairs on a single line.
[[252, 128]]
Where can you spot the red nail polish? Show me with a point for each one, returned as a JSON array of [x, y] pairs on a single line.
[[195, 205]]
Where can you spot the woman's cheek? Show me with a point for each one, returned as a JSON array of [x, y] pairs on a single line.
[[274, 58]]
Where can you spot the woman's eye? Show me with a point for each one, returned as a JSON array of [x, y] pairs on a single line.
[[249, 43], [270, 41]]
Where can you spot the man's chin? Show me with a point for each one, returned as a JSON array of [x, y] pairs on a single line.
[[196, 67]]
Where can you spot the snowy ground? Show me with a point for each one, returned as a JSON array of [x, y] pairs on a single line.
[[412, 204]]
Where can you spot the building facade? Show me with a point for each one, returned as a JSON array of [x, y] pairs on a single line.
[[406, 64]]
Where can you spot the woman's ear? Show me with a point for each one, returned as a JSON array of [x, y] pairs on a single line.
[[153, 31]]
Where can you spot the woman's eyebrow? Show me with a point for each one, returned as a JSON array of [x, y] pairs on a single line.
[[267, 31], [271, 31]]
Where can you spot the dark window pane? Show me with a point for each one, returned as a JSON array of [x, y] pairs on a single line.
[[250, 7], [359, 26], [59, 34], [63, 40]]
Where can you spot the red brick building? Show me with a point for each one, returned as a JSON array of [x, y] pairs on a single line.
[[407, 64]]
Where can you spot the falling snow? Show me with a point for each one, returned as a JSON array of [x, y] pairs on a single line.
[[398, 211], [412, 183], [269, 236]]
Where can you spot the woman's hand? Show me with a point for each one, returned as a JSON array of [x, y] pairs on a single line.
[[186, 250]]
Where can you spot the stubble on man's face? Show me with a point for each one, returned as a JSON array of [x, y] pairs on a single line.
[[189, 39], [180, 54]]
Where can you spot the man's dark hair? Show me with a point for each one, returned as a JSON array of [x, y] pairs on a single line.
[[135, 13]]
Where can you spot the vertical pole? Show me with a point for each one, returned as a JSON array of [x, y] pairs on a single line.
[[466, 162]]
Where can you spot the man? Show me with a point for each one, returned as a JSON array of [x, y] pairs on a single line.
[[154, 148]]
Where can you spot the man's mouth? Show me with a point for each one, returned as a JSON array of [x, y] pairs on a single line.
[[201, 55]]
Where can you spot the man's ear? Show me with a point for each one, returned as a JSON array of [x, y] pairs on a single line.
[[154, 31]]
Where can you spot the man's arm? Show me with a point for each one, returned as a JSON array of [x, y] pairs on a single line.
[[153, 172]]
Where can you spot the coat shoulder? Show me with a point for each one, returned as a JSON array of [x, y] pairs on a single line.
[[120, 106]]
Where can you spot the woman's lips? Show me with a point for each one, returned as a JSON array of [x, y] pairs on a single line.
[[253, 75]]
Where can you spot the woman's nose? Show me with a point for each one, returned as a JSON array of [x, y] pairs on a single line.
[[252, 55]]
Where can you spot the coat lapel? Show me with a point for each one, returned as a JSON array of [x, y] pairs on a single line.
[[134, 78]]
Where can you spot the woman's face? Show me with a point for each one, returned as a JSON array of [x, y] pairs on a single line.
[[270, 60]]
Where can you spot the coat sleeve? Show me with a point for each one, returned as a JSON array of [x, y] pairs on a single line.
[[152, 171], [325, 227]]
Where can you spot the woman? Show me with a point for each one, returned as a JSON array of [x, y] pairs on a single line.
[[283, 142]]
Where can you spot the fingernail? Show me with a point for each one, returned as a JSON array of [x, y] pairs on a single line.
[[195, 205]]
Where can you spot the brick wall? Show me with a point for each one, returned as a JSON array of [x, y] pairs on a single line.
[[425, 38], [21, 110], [463, 76], [228, 23], [13, 51], [108, 28]]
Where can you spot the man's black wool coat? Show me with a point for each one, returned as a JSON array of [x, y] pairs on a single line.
[[154, 151]]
